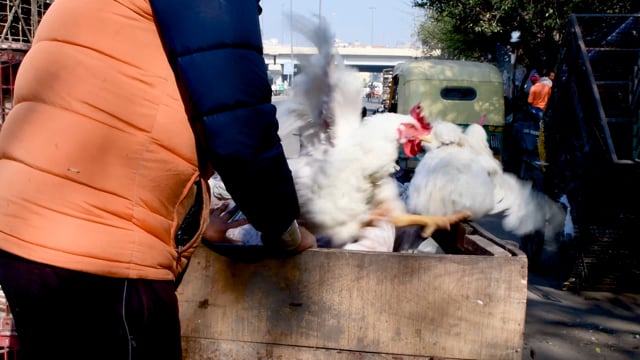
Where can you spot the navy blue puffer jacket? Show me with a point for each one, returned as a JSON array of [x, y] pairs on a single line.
[[215, 50]]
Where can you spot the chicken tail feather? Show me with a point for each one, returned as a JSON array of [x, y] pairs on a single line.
[[325, 88]]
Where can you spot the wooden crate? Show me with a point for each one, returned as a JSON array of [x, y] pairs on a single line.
[[336, 304]]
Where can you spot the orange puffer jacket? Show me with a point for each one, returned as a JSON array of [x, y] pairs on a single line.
[[539, 95], [97, 159]]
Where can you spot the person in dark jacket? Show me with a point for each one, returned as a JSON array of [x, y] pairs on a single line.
[[104, 159], [238, 126]]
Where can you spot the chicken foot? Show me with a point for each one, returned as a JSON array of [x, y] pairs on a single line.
[[430, 223]]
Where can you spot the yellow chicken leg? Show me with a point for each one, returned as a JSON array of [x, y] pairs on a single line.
[[430, 223]]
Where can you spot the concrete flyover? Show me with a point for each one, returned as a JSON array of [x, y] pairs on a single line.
[[365, 59]]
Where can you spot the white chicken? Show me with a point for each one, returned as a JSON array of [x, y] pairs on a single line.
[[459, 172], [343, 173]]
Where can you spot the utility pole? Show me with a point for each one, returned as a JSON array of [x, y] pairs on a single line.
[[293, 67], [373, 9], [283, 22]]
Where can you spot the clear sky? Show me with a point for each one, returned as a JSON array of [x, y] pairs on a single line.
[[394, 21]]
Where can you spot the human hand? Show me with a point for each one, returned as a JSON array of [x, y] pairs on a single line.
[[307, 240], [218, 225]]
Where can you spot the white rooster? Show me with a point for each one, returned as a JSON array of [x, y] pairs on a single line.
[[343, 174], [459, 172]]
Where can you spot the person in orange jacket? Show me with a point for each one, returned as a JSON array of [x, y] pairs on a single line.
[[104, 161], [538, 96]]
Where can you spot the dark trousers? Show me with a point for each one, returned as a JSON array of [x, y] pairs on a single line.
[[538, 112], [64, 314]]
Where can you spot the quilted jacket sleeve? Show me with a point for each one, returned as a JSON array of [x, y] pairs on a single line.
[[215, 50]]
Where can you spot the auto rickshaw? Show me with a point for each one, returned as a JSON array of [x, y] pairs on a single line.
[[463, 92]]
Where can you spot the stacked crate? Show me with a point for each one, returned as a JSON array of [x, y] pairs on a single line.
[[592, 129], [8, 336], [19, 20]]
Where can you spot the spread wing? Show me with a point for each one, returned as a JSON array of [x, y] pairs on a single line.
[[326, 101]]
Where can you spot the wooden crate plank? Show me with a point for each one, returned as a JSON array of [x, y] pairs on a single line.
[[510, 246], [205, 349], [455, 306], [476, 244]]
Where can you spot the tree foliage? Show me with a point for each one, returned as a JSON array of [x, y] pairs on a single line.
[[471, 29]]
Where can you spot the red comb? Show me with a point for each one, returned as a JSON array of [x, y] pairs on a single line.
[[416, 113]]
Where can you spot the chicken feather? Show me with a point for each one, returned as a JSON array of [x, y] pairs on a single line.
[[326, 88], [343, 173], [459, 172]]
